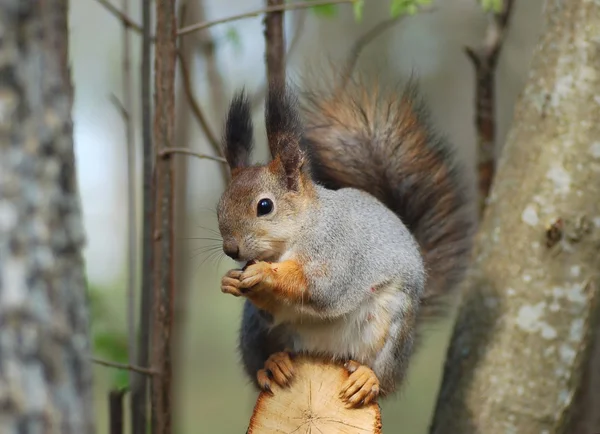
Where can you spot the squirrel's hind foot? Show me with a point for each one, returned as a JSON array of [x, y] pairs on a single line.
[[278, 368], [361, 387]]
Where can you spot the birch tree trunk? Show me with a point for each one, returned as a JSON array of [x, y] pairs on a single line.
[[525, 328], [45, 372]]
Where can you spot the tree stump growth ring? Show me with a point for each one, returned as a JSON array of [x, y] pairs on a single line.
[[311, 404]]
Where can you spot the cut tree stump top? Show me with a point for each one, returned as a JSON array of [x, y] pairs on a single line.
[[311, 404]]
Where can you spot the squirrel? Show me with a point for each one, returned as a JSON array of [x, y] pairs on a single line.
[[351, 234]]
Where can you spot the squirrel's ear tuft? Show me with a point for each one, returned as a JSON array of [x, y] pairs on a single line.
[[238, 140], [284, 132]]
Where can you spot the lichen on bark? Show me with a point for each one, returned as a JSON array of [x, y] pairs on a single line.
[[45, 372], [530, 305]]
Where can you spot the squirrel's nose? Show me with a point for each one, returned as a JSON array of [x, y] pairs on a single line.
[[231, 249]]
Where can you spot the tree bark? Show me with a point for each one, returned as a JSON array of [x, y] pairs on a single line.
[[139, 384], [275, 45], [311, 404], [45, 370], [524, 332], [164, 288], [586, 419]]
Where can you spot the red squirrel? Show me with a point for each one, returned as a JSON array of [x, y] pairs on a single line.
[[361, 221]]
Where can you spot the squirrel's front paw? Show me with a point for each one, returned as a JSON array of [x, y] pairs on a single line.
[[256, 276], [230, 284], [361, 387], [278, 368]]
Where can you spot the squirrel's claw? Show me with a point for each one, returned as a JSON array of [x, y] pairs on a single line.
[[278, 368], [254, 274], [361, 387], [264, 380], [230, 284]]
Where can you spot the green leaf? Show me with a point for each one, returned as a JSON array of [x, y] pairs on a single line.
[[397, 8], [110, 345], [120, 379], [357, 8], [327, 11], [233, 36], [495, 6], [407, 7], [498, 6]]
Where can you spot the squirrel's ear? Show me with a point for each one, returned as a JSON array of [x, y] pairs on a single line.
[[284, 132], [238, 140]]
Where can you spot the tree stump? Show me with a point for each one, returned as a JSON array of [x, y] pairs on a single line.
[[311, 404]]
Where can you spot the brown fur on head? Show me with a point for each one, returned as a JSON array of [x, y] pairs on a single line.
[[262, 209]]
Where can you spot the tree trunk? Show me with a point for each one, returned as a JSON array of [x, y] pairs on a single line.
[[45, 371], [525, 328], [311, 404], [586, 419]]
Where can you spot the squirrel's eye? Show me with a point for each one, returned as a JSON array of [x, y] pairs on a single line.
[[265, 206]]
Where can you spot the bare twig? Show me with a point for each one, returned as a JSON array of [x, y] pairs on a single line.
[[139, 387], [275, 43], [187, 151], [188, 10], [368, 37], [121, 15], [115, 410], [284, 7], [124, 366], [199, 26], [362, 42], [128, 114], [119, 106], [164, 289], [485, 59], [195, 106], [259, 95], [207, 45]]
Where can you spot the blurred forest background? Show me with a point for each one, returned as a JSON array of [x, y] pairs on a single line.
[[216, 396]]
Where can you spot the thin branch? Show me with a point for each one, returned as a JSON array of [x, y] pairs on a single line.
[[259, 95], [115, 410], [127, 110], [186, 151], [364, 40], [125, 366], [484, 59], [195, 106], [284, 7], [139, 387], [187, 11], [119, 106], [207, 45], [121, 15], [275, 43], [165, 54], [199, 26]]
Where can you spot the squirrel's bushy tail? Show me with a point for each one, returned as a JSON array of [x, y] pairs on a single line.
[[381, 142]]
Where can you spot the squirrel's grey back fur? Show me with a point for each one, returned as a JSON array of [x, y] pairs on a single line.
[[380, 140]]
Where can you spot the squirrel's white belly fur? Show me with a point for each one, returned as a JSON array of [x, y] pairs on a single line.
[[361, 334]]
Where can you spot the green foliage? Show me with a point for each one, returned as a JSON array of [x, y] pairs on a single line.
[[357, 8], [327, 11], [233, 36], [492, 5], [108, 341], [397, 8], [406, 7]]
